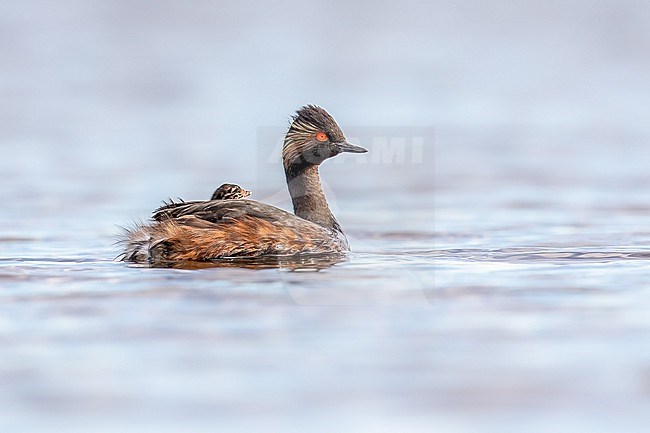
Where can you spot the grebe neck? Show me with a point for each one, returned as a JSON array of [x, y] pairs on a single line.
[[309, 201]]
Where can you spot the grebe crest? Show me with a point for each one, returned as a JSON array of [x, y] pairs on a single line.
[[313, 137], [229, 191]]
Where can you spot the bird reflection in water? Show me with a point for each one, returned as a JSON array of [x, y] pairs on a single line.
[[304, 262]]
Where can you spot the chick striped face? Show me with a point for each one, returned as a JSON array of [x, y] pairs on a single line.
[[310, 137], [230, 191]]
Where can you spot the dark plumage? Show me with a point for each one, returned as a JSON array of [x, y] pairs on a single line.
[[246, 228], [227, 191]]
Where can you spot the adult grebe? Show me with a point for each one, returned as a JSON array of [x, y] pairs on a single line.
[[242, 228]]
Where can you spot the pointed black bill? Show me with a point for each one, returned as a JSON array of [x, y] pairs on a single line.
[[352, 148]]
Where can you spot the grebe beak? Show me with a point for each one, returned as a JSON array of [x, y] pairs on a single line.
[[347, 147]]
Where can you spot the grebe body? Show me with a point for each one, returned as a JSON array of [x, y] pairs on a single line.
[[238, 227]]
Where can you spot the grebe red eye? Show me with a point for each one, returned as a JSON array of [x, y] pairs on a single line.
[[321, 136]]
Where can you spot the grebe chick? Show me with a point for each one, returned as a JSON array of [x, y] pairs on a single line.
[[227, 191], [230, 191], [218, 229]]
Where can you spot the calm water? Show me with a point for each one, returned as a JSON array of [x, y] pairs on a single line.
[[500, 224]]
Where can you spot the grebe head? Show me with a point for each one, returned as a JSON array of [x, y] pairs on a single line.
[[229, 191], [313, 137]]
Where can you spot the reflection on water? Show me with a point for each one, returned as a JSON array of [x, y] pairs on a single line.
[[299, 262]]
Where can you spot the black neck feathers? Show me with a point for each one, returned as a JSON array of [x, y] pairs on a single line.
[[309, 201]]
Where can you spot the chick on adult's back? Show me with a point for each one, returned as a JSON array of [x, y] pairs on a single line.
[[247, 228]]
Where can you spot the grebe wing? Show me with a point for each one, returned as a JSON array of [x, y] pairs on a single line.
[[171, 204], [220, 211]]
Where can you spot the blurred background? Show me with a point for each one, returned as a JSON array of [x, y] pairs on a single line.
[[507, 137], [168, 98]]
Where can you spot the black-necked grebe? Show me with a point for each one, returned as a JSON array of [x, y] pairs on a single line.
[[246, 228]]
